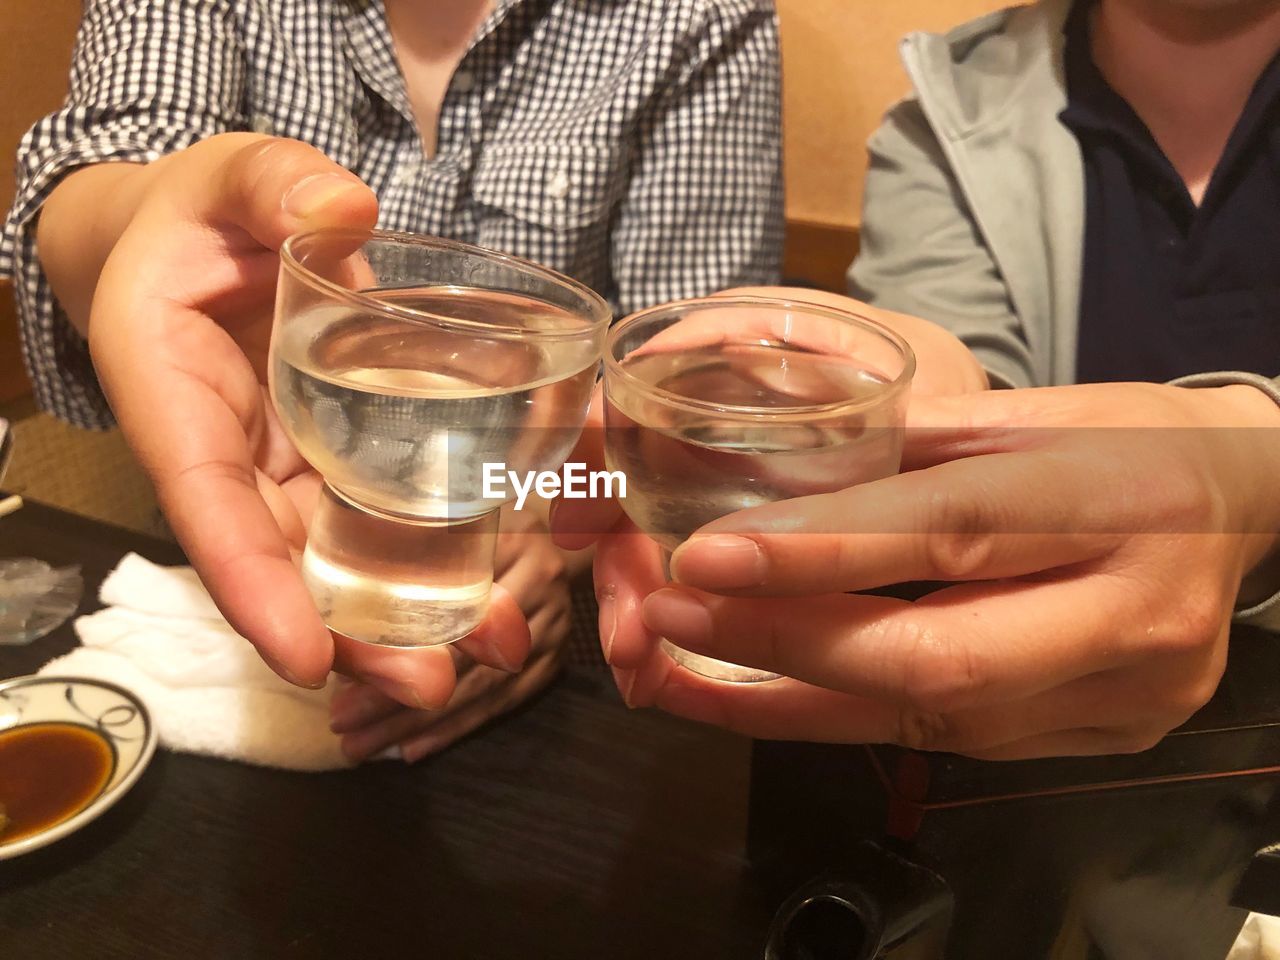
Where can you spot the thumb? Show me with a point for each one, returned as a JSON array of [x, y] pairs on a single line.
[[272, 188]]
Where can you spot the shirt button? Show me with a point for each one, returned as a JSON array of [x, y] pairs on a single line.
[[464, 81], [558, 186], [261, 123]]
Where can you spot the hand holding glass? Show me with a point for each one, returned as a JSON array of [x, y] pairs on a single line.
[[717, 405], [400, 367]]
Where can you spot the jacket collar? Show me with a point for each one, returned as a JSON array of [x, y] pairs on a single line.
[[992, 91], [992, 70]]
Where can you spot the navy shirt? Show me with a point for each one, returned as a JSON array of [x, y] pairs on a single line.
[[1170, 289]]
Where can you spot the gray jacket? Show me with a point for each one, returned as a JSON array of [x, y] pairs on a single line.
[[974, 209]]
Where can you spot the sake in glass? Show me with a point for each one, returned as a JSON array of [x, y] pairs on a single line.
[[717, 405], [400, 366]]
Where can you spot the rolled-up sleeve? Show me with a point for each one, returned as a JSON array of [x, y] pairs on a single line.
[[704, 208], [148, 77]]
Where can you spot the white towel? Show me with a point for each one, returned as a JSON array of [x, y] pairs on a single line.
[[208, 692], [1259, 940]]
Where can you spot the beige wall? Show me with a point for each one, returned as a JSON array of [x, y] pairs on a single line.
[[841, 72], [37, 37]]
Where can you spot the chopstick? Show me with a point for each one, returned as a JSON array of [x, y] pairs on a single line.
[[10, 504]]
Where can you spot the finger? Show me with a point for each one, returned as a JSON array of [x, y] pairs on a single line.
[[419, 677], [959, 648], [357, 705], [944, 365], [389, 722], [1083, 742], [502, 640], [242, 197], [400, 725], [550, 627], [1125, 710], [628, 567], [790, 710], [302, 493], [425, 677], [802, 321], [192, 434], [980, 518], [783, 709], [639, 686], [576, 524], [273, 188], [373, 738], [279, 459], [474, 715]]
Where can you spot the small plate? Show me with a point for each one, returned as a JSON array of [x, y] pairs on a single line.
[[112, 711]]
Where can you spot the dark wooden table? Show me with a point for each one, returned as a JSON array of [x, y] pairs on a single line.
[[575, 829]]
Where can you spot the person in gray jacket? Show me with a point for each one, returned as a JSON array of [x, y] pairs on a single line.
[[1080, 192], [1060, 161]]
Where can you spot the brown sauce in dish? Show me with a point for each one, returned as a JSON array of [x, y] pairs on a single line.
[[49, 772]]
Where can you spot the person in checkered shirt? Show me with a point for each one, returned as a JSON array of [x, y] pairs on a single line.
[[633, 145]]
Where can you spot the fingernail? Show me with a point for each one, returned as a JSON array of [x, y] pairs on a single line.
[[719, 562], [286, 674], [399, 691], [312, 194], [392, 752], [693, 705], [681, 618], [608, 624], [498, 658], [626, 680]]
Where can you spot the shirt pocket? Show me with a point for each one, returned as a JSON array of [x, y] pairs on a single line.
[[557, 187]]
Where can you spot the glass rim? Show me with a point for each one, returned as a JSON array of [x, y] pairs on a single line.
[[599, 315], [613, 366]]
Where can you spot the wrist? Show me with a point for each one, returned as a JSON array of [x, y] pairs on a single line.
[[1254, 408], [1257, 415]]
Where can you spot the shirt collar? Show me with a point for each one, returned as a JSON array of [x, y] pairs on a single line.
[[1092, 105], [372, 52], [1091, 102], [501, 8], [1260, 118]]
